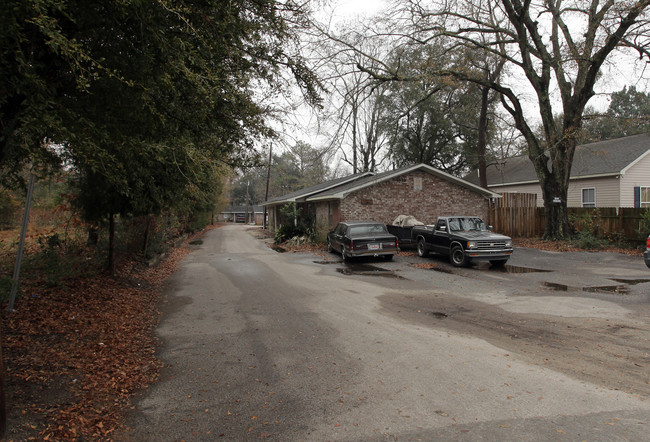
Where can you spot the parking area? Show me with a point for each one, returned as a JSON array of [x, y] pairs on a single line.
[[584, 314]]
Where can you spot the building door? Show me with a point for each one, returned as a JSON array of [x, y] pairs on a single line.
[[334, 214]]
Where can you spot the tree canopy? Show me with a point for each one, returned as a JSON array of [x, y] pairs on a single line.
[[552, 53]]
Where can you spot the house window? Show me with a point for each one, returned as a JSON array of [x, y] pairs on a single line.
[[645, 197], [417, 183], [589, 197]]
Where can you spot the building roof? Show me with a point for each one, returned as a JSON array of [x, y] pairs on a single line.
[[603, 158], [339, 189], [300, 195], [242, 209]]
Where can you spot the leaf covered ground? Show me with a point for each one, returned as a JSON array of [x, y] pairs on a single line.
[[75, 355]]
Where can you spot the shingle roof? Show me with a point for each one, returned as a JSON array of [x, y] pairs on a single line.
[[242, 209], [303, 193], [609, 157], [343, 190]]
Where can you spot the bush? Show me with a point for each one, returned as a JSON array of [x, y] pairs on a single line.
[[286, 232], [585, 240], [587, 222], [305, 226]]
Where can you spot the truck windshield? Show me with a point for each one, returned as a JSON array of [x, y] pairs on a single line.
[[466, 224]]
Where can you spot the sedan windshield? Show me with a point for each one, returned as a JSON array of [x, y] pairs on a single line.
[[367, 229], [466, 224]]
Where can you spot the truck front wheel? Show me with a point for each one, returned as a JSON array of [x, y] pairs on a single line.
[[422, 248], [457, 257]]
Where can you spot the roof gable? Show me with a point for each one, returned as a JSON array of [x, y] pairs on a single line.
[[340, 192], [306, 192], [599, 159]]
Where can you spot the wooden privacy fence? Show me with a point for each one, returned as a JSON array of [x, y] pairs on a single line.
[[517, 215]]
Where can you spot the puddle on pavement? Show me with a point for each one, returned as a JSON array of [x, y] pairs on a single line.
[[367, 270], [500, 269], [631, 281], [439, 315], [555, 286], [442, 270], [619, 289], [516, 269]]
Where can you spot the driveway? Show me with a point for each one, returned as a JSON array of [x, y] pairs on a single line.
[[299, 346]]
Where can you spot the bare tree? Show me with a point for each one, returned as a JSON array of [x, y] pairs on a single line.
[[553, 52]]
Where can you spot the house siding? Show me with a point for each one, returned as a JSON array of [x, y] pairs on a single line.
[[384, 201], [636, 176], [607, 191], [523, 188]]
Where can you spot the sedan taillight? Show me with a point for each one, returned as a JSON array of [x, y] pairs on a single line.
[[647, 243]]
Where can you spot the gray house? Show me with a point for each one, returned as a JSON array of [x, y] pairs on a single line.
[[611, 173], [420, 190]]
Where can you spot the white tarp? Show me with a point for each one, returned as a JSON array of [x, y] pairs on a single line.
[[407, 221]]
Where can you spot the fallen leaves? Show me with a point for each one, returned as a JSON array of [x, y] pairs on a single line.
[[74, 356]]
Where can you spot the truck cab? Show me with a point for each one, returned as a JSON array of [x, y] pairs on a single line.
[[464, 239]]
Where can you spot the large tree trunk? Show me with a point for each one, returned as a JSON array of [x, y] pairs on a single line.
[[554, 191], [482, 137]]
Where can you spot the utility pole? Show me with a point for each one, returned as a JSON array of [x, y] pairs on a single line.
[[248, 220], [268, 181]]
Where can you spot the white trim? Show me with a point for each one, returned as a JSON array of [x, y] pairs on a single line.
[[582, 196], [626, 168], [641, 202]]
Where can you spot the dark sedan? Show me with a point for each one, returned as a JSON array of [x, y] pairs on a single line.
[[362, 238], [646, 254]]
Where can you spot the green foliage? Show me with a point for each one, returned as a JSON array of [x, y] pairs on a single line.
[[586, 240], [438, 117], [144, 101], [9, 209], [628, 114], [587, 226], [644, 225], [289, 228], [586, 222]]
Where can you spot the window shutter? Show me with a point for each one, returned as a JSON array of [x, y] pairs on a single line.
[[637, 197]]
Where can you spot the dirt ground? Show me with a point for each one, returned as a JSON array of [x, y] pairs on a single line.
[[611, 353]]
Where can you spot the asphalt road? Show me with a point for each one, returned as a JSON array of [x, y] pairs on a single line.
[[299, 346]]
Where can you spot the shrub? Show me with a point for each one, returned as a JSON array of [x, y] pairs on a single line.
[[585, 240], [304, 227]]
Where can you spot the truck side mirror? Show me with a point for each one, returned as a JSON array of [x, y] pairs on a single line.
[[490, 228], [442, 227]]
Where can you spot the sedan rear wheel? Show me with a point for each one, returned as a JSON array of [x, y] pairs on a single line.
[[457, 257]]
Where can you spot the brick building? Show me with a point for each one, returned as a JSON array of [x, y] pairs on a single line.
[[421, 191]]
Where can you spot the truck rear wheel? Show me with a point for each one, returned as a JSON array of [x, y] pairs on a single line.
[[422, 248], [457, 257]]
